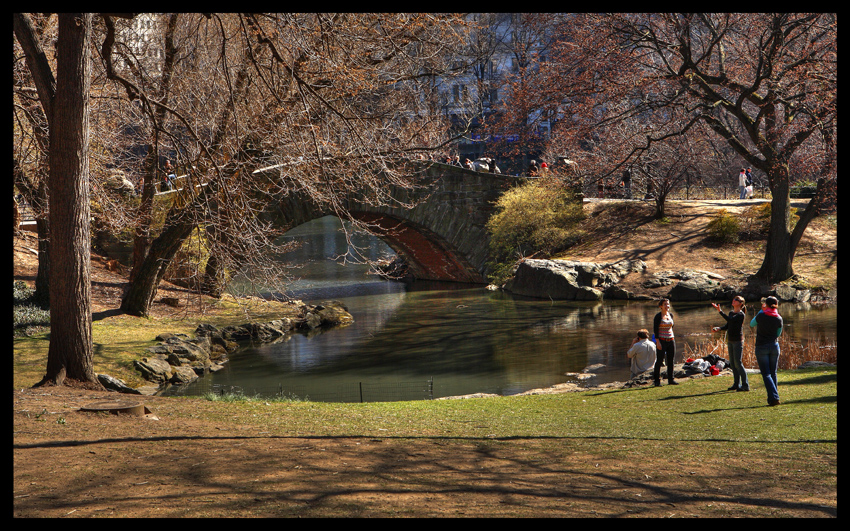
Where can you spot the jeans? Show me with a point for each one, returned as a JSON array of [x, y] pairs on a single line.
[[768, 359], [668, 350], [743, 192], [736, 354]]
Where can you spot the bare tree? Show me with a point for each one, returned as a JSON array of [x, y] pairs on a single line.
[[764, 83], [65, 104], [338, 103]]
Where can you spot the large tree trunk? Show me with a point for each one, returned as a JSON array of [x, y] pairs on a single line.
[[215, 277], [140, 295], [779, 253], [70, 351]]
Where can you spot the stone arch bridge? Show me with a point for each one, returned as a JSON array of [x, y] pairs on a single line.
[[443, 237]]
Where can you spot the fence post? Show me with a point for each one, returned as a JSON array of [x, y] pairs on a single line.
[[361, 391]]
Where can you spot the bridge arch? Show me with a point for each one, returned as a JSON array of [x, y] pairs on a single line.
[[443, 237]]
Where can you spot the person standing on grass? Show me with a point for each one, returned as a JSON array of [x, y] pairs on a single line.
[[735, 341], [664, 342], [768, 325]]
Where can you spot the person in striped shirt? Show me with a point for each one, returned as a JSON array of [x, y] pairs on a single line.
[[664, 342]]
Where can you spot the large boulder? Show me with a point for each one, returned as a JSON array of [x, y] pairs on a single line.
[[325, 314], [556, 280], [792, 294], [115, 384], [154, 369], [572, 280], [183, 375], [694, 289]]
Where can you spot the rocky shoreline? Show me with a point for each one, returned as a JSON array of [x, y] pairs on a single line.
[[570, 280], [643, 380], [179, 359]]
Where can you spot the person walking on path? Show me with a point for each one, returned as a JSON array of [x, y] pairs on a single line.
[[665, 343], [626, 183], [735, 341], [768, 325], [642, 353], [742, 184]]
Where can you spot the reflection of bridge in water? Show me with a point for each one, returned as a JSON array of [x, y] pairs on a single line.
[[442, 237]]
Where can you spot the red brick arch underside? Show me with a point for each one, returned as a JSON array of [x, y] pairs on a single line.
[[428, 255]]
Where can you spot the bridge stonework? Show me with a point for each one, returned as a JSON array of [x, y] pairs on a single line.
[[442, 237]]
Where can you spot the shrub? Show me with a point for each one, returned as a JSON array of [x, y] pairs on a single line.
[[724, 228], [537, 217], [755, 220], [29, 317]]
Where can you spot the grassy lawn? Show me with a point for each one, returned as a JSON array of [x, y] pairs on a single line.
[[694, 412]]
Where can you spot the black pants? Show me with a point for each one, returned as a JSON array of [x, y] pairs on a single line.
[[665, 354]]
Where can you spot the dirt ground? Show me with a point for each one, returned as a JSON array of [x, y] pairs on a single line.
[[170, 463], [681, 242]]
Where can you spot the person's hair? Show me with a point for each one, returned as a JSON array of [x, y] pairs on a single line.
[[771, 302], [742, 301], [662, 302], [643, 333]]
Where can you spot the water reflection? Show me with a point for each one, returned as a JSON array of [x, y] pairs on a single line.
[[466, 338]]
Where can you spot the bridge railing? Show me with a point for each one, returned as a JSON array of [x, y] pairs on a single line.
[[179, 183]]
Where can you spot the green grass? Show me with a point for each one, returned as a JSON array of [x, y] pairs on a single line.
[[694, 412]]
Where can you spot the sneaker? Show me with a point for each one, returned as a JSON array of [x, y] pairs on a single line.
[[734, 388], [773, 403], [672, 382]]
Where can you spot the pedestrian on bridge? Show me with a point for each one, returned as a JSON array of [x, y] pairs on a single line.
[[168, 182]]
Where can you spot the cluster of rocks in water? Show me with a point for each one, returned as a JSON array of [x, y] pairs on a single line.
[[571, 280], [179, 359]]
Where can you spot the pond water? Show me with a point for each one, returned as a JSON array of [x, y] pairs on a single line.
[[429, 340]]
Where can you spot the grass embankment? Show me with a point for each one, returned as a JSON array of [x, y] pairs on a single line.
[[696, 411], [691, 450], [702, 450], [707, 451], [118, 340]]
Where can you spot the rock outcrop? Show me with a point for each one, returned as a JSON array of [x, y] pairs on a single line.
[[570, 280], [179, 359]]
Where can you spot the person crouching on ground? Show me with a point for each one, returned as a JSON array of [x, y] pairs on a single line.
[[642, 353], [735, 341], [665, 342], [768, 325]]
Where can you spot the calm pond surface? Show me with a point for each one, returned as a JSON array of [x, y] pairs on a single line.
[[429, 340]]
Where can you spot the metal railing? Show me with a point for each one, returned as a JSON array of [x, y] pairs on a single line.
[[343, 392]]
